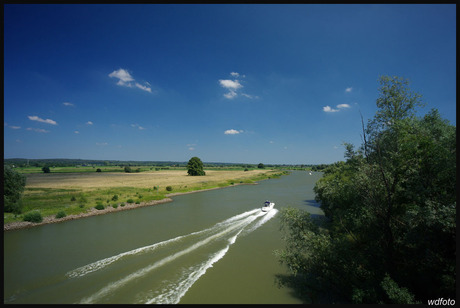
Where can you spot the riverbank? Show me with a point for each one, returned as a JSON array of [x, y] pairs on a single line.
[[93, 212]]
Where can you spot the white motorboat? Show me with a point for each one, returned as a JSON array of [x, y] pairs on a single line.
[[267, 206]]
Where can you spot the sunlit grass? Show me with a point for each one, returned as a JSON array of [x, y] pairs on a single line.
[[78, 193]]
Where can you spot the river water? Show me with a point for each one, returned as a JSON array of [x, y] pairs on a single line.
[[212, 247]]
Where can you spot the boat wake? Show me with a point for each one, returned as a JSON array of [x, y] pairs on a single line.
[[163, 272]]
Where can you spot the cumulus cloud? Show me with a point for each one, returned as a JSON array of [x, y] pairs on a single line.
[[340, 106], [47, 121], [232, 132], [68, 104], [234, 86], [126, 80], [329, 109], [89, 123], [348, 89]]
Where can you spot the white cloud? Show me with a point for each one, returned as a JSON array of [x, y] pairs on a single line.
[[89, 123], [68, 104], [329, 109], [101, 143], [232, 132], [47, 121], [343, 106], [339, 106], [233, 86], [230, 94], [250, 96], [123, 75], [137, 126], [38, 130], [230, 84], [125, 79], [76, 132], [145, 88], [348, 89]]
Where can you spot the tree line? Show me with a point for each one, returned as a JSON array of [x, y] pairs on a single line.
[[389, 231]]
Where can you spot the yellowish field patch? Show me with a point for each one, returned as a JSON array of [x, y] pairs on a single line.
[[175, 178]]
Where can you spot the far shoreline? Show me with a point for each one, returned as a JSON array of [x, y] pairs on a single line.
[[18, 225]]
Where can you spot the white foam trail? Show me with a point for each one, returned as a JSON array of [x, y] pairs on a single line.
[[176, 292], [112, 286], [92, 267], [264, 219], [95, 266]]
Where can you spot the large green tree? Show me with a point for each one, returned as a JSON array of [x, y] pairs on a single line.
[[390, 231], [13, 187], [195, 167]]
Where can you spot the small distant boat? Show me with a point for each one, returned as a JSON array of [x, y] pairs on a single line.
[[267, 206]]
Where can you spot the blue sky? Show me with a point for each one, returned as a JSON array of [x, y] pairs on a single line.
[[276, 84]]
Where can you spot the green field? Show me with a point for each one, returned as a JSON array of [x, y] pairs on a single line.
[[75, 190]]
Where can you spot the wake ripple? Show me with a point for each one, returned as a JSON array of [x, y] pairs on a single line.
[[228, 230]]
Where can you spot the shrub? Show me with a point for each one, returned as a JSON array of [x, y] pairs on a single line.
[[98, 170], [115, 206], [34, 216], [99, 206], [130, 201], [122, 204], [73, 198], [115, 198], [61, 214], [169, 188]]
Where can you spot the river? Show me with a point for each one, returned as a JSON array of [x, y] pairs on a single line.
[[211, 247]]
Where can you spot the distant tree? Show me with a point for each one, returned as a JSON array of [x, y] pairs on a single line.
[[46, 169], [128, 169], [260, 166], [13, 186], [98, 170], [195, 167]]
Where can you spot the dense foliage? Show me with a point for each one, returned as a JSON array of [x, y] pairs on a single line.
[[195, 167], [34, 216], [389, 236], [13, 186]]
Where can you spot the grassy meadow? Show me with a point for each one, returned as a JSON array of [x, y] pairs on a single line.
[[77, 190]]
